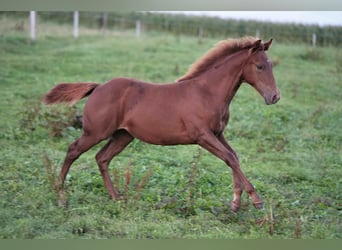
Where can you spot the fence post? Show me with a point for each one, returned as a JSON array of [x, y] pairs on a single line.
[[33, 25], [104, 23], [76, 17], [122, 24], [314, 39], [200, 35], [257, 33], [138, 29]]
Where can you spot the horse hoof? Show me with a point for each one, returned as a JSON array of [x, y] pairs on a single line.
[[234, 208], [62, 201], [259, 205]]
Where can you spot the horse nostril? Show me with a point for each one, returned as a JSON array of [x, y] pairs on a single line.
[[275, 99]]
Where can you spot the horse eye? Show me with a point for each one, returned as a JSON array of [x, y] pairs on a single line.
[[260, 67]]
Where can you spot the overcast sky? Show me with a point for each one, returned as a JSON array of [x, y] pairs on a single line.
[[302, 17]]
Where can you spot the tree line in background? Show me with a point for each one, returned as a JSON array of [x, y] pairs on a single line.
[[201, 26]]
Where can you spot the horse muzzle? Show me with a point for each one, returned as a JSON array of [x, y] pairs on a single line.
[[273, 98]]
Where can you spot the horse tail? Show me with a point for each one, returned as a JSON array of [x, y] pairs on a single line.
[[69, 93]]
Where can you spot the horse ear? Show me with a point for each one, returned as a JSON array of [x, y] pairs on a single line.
[[255, 47], [267, 45], [257, 43]]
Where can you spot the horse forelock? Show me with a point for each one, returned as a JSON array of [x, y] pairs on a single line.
[[222, 48]]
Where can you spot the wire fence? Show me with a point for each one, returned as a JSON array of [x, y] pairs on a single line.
[[82, 23]]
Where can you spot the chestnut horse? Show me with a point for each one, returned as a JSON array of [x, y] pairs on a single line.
[[193, 110]]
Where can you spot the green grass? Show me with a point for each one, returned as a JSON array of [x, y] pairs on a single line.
[[291, 151]]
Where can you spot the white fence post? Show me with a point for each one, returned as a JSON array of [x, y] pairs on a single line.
[[200, 35], [314, 39], [104, 19], [33, 25], [257, 33], [76, 17], [138, 29]]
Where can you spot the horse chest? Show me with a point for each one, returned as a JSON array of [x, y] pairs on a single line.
[[219, 120]]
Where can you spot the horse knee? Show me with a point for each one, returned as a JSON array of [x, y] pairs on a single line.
[[232, 161]]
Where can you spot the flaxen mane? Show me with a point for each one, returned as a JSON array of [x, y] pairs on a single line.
[[222, 48]]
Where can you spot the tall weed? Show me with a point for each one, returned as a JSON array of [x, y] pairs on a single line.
[[315, 55], [53, 118]]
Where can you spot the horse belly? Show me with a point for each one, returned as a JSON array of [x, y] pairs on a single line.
[[162, 130]]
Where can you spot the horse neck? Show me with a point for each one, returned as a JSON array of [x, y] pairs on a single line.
[[224, 78]]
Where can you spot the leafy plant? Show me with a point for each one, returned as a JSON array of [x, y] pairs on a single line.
[[130, 191], [313, 55], [53, 118]]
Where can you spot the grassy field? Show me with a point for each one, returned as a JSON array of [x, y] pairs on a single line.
[[291, 152]]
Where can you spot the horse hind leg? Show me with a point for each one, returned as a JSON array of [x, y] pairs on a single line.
[[76, 148], [114, 146]]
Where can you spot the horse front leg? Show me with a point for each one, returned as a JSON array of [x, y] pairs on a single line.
[[211, 143], [237, 184]]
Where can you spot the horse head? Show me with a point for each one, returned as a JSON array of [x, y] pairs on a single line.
[[258, 72]]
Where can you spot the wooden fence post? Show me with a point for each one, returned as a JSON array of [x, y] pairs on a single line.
[[33, 25], [76, 18]]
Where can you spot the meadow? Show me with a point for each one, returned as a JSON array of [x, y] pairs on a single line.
[[291, 151]]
